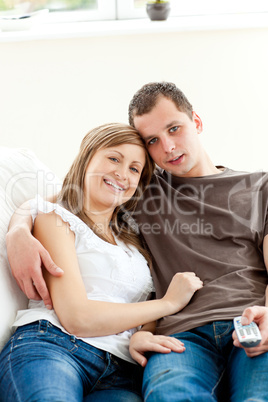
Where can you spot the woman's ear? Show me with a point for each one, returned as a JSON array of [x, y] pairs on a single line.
[[198, 122]]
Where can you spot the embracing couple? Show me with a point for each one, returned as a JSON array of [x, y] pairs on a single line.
[[136, 269]]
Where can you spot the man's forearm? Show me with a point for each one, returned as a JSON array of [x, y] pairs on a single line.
[[21, 218]]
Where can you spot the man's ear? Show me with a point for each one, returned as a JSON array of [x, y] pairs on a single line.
[[198, 122]]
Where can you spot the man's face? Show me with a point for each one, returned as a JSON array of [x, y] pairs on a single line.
[[172, 138]]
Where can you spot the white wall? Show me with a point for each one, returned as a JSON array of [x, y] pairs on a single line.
[[53, 91]]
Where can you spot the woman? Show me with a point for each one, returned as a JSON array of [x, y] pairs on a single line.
[[80, 348]]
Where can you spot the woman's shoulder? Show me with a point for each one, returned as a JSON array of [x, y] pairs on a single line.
[[47, 210], [85, 238]]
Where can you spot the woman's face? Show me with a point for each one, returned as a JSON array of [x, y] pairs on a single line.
[[112, 177]]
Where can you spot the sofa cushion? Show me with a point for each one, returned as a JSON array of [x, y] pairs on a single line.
[[22, 176]]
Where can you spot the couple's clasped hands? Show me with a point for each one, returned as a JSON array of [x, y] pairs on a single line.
[[179, 293]]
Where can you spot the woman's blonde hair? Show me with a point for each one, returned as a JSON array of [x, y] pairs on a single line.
[[72, 194]]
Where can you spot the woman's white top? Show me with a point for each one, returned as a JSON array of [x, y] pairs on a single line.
[[113, 273]]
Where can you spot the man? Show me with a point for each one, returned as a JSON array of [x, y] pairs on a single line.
[[213, 221], [194, 217]]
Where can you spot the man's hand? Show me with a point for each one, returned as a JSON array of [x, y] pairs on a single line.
[[144, 341], [26, 256], [259, 315]]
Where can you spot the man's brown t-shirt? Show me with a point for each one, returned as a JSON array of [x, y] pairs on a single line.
[[213, 226]]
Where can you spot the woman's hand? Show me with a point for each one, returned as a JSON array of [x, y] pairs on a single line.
[[181, 289], [144, 341]]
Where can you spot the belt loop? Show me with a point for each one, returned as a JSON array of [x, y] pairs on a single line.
[[43, 324], [108, 357], [72, 338]]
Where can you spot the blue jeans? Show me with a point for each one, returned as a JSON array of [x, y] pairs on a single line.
[[210, 369], [41, 363]]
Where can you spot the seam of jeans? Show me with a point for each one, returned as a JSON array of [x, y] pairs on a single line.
[[115, 367], [11, 371], [217, 384], [103, 373]]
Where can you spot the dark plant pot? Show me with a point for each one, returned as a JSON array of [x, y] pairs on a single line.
[[158, 11]]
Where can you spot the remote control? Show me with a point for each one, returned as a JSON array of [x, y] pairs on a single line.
[[248, 335]]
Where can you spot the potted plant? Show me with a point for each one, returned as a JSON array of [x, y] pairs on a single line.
[[158, 10]]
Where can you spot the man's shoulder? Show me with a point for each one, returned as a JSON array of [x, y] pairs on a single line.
[[253, 174], [226, 176]]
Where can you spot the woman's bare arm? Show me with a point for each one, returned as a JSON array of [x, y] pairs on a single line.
[[89, 318]]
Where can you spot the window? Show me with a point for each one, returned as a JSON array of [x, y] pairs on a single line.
[[83, 10], [201, 7], [65, 5], [63, 10], [131, 9], [136, 8]]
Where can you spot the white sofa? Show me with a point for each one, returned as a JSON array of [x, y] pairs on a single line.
[[22, 176]]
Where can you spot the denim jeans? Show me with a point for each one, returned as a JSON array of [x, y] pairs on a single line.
[[210, 369], [41, 363]]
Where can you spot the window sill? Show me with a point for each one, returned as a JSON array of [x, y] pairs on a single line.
[[47, 31]]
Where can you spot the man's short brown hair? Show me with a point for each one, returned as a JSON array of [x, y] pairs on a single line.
[[146, 98]]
